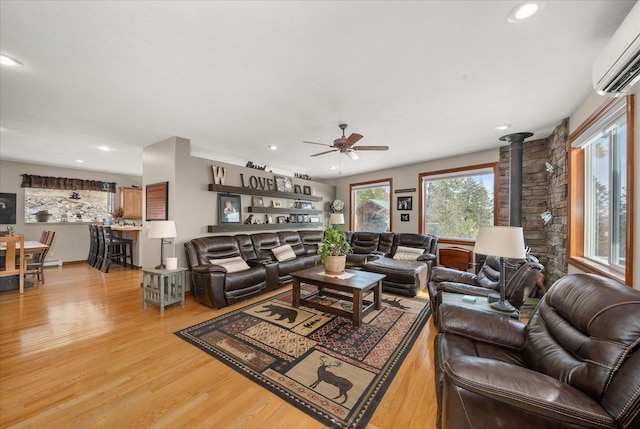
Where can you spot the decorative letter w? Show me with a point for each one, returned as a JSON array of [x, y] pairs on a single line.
[[219, 174]]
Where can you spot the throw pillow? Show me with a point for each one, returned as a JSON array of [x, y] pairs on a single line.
[[233, 265], [283, 253], [407, 253]]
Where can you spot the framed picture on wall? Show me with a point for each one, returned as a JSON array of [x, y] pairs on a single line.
[[7, 208], [229, 208], [283, 183], [405, 203], [404, 217], [157, 196]]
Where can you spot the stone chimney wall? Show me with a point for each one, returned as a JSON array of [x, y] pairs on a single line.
[[541, 191], [557, 200]]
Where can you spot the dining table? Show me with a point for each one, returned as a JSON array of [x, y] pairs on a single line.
[[30, 247]]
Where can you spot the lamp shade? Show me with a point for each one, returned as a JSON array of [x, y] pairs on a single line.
[[336, 219], [500, 241], [162, 229]]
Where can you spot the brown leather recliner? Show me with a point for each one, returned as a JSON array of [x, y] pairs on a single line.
[[521, 277], [212, 285], [575, 365]]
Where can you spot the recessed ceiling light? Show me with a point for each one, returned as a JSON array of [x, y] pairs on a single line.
[[524, 10], [8, 61], [332, 167], [79, 161], [273, 147], [502, 127], [104, 148]]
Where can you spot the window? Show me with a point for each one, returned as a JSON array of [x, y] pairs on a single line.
[[457, 202], [67, 206], [600, 177], [371, 206]]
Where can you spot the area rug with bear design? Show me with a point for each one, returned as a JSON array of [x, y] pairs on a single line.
[[316, 361]]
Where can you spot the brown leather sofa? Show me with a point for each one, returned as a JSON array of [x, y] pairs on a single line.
[[575, 365], [521, 277], [404, 277], [213, 286], [368, 246]]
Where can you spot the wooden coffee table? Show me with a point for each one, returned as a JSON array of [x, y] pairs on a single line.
[[350, 290]]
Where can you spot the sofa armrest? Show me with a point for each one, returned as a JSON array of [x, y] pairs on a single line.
[[256, 262], [427, 257], [464, 288], [481, 325], [208, 269], [519, 388], [443, 274]]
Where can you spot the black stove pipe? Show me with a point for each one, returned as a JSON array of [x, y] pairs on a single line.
[[515, 141]]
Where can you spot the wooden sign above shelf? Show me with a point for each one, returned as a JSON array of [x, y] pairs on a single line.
[[265, 193]]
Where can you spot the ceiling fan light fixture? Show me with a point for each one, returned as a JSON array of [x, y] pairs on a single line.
[[351, 154]]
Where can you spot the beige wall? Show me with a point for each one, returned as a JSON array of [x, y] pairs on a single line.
[[407, 177], [589, 105], [72, 239], [191, 204]]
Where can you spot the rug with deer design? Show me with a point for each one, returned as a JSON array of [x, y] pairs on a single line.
[[316, 361]]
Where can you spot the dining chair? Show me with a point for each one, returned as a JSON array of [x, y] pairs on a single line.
[[35, 264], [14, 258]]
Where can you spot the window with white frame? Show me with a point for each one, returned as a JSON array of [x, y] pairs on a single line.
[[600, 156], [371, 206], [457, 202]]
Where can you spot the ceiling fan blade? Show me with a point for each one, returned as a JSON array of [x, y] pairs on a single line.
[[371, 148], [353, 138], [322, 153], [321, 144]]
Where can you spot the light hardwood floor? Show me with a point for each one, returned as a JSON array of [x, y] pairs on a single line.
[[80, 352]]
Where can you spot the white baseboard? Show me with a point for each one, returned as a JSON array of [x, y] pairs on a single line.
[[54, 263]]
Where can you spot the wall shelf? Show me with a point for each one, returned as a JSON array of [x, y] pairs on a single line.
[[262, 226], [262, 192], [283, 211]]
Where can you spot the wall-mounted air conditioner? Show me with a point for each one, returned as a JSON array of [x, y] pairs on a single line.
[[617, 69]]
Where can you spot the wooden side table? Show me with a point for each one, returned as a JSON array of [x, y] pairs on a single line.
[[163, 287]]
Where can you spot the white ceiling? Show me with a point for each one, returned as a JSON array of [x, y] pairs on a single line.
[[430, 79]]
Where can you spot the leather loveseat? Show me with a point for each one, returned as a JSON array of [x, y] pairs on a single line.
[[575, 365], [215, 285]]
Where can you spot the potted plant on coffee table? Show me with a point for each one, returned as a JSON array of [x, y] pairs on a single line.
[[334, 249]]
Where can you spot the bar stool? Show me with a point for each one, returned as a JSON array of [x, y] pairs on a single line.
[[115, 250], [93, 245]]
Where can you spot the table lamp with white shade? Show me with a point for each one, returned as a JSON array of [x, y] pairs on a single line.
[[162, 229], [503, 242], [336, 219]]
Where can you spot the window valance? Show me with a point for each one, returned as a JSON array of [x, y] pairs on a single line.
[[46, 182]]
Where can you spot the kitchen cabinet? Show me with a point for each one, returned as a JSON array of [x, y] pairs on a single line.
[[131, 202]]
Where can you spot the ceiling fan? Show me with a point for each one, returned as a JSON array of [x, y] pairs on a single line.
[[346, 145]]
